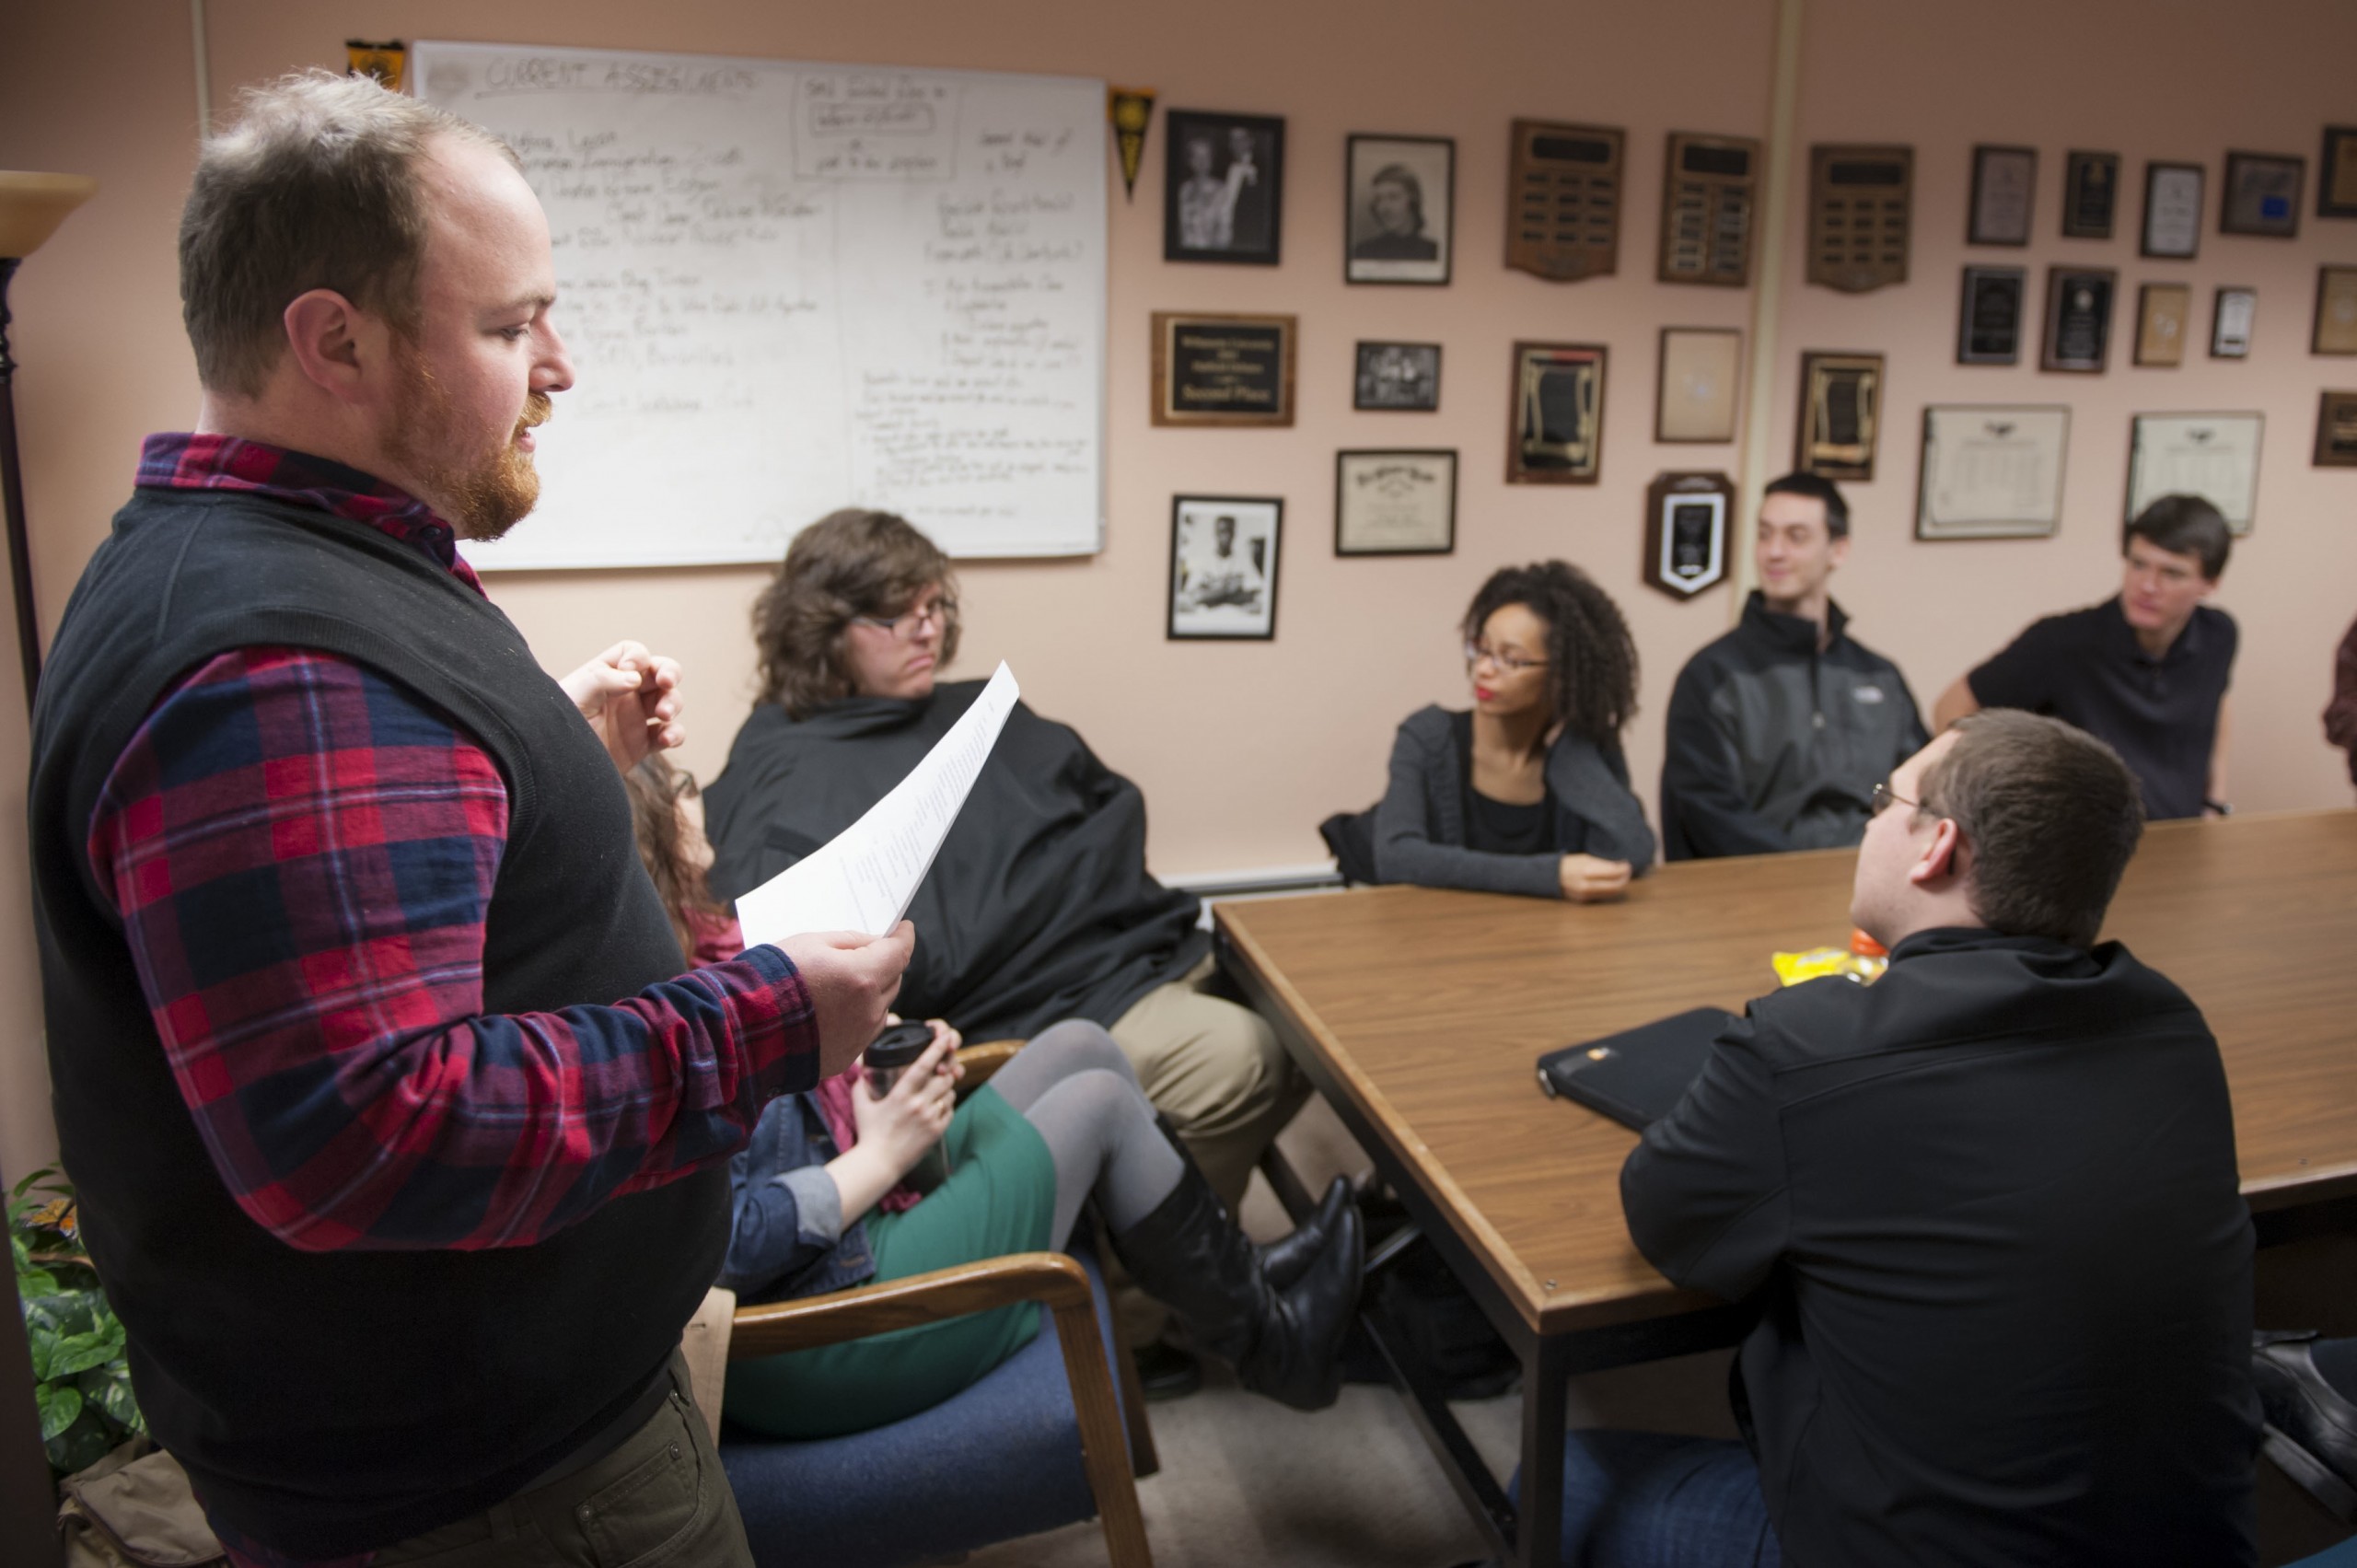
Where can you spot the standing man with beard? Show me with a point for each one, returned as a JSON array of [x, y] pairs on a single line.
[[401, 1135]]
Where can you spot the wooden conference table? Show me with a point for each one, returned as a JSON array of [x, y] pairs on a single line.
[[1420, 1014]]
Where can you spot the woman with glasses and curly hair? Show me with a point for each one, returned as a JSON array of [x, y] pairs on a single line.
[[1527, 791]]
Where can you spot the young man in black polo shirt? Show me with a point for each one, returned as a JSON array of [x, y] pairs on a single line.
[[2146, 670], [1988, 1210]]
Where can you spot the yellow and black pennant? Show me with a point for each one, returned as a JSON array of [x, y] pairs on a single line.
[[389, 62], [1131, 109]]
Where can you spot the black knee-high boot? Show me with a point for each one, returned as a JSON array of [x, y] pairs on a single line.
[[1284, 1341], [1287, 1258]]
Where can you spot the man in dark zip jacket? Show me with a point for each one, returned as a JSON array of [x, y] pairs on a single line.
[[1778, 730], [1988, 1210]]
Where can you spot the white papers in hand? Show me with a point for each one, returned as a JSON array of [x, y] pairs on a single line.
[[864, 876]]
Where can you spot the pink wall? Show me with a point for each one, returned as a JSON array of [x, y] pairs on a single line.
[[1242, 748]]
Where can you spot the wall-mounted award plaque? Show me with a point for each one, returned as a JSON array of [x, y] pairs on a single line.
[[1710, 187], [2335, 324], [2090, 194], [1992, 471], [1989, 324], [1686, 532], [2337, 173], [2231, 321], [2214, 456], [1557, 415], [2337, 431], [1223, 369], [2262, 195], [1564, 200], [2004, 181], [2078, 318], [2172, 210], [1860, 205], [1840, 414]]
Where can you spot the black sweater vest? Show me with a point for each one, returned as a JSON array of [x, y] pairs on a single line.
[[329, 1402]]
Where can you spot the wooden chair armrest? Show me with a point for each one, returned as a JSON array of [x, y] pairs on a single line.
[[982, 1060], [776, 1326]]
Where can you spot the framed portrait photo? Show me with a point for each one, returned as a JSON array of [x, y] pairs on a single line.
[[2335, 324], [1989, 321], [2235, 312], [2078, 318], [2172, 211], [1223, 566], [2214, 456], [2163, 314], [2262, 195], [2337, 173], [2005, 181], [1700, 371], [1399, 377], [1556, 416], [1992, 471], [1224, 187], [1395, 503], [1402, 192]]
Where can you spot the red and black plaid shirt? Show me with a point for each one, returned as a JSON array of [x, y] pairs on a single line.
[[332, 1043]]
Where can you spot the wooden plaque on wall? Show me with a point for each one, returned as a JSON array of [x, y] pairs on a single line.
[[1861, 208], [1564, 200], [1709, 188]]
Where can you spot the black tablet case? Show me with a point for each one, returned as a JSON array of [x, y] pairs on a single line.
[[1637, 1075]]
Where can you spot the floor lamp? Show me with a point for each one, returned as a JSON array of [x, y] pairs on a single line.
[[31, 207]]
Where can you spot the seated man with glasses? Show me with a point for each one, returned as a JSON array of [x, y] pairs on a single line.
[[1987, 1208], [1526, 792], [1777, 730], [1039, 908]]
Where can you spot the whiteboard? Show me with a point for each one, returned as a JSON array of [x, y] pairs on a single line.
[[787, 288]]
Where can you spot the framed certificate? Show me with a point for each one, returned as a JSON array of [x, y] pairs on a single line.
[[1223, 369], [2231, 321], [1992, 471], [2336, 328], [1395, 503], [1556, 417], [2172, 210], [2090, 194], [1989, 322], [2162, 310], [2337, 431], [1701, 367], [2262, 195], [2214, 456], [2337, 173], [2078, 318], [2004, 180], [1840, 414]]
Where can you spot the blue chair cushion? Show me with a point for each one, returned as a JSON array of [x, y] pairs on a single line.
[[999, 1459], [2341, 1556]]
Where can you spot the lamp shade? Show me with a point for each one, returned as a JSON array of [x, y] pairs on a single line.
[[32, 205]]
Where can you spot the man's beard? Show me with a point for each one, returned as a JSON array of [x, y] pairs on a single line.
[[480, 495]]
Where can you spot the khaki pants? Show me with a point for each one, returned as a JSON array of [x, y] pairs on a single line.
[[1217, 1070], [659, 1500]]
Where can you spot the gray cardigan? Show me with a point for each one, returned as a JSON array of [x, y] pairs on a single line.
[[1420, 822]]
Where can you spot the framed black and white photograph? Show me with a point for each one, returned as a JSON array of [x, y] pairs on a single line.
[[2172, 211], [2004, 182], [1395, 503], [1223, 566], [1224, 187], [2231, 321], [2078, 318], [2262, 195], [1992, 471], [1402, 194], [1989, 322], [2214, 456], [1403, 378]]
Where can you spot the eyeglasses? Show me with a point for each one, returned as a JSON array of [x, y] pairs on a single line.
[[1884, 797], [1510, 664], [910, 627]]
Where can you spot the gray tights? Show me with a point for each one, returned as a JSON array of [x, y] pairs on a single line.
[[1073, 1084]]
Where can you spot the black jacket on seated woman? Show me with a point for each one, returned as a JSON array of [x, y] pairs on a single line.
[[1528, 792]]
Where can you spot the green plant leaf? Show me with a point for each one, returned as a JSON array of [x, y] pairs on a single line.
[[114, 1395], [32, 1281], [79, 1353], [59, 1406], [80, 1445]]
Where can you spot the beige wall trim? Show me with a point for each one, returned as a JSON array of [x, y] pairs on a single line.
[[1767, 298]]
